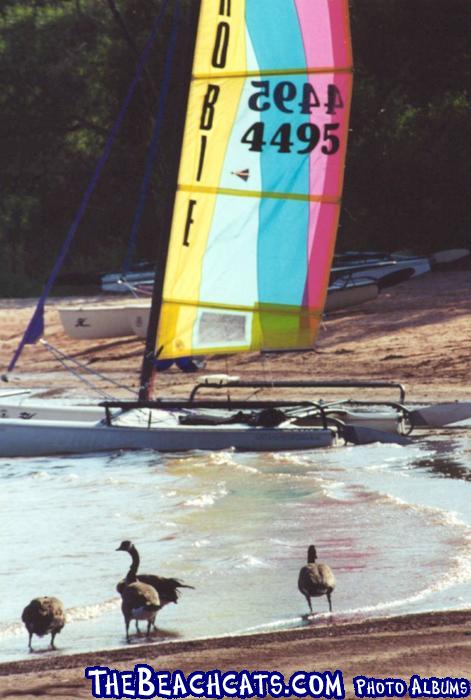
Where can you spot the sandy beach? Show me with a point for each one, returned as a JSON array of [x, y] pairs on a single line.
[[432, 645], [418, 333]]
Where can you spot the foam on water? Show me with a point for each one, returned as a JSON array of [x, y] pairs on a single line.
[[91, 612], [207, 499]]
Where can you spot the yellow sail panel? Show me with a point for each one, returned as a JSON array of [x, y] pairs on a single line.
[[221, 42], [204, 145]]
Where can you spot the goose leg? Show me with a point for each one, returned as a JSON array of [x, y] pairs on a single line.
[[53, 634], [30, 646], [126, 622], [137, 627], [330, 601], [308, 598]]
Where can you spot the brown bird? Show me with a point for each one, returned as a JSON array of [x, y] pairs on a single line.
[[167, 588], [139, 601], [316, 579], [42, 616]]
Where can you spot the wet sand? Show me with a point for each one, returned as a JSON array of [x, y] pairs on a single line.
[[435, 644], [418, 333]]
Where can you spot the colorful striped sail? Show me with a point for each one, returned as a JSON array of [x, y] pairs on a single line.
[[260, 177]]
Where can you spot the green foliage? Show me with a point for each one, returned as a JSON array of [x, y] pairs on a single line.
[[65, 69], [66, 65], [406, 183]]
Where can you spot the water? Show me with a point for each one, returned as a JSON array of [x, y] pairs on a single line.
[[393, 522]]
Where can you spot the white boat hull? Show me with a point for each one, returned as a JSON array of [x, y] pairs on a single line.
[[27, 438], [98, 321], [48, 410]]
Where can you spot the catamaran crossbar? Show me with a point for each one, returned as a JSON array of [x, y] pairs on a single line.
[[302, 384]]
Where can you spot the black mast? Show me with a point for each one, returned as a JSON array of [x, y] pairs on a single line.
[[177, 113]]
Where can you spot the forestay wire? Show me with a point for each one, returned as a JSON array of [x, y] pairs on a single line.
[[35, 327], [66, 361]]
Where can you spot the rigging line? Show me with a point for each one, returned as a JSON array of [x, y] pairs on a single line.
[[35, 327], [57, 355], [151, 155], [62, 357], [128, 287]]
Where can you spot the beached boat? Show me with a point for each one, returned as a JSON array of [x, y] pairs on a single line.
[[374, 266], [95, 321], [119, 283]]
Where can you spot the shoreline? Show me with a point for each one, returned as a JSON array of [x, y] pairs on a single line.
[[428, 644]]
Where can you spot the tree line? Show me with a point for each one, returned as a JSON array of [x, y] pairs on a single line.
[[66, 65]]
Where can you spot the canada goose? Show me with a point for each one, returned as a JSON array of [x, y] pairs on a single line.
[[43, 616], [167, 588], [139, 601], [316, 579]]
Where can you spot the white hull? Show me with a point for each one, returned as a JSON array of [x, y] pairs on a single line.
[[25, 438], [387, 421], [98, 321], [48, 410]]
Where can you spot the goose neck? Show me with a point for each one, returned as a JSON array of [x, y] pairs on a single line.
[[135, 559]]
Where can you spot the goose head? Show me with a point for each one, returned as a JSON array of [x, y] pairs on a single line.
[[125, 546]]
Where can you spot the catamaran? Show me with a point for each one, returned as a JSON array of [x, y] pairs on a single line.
[[246, 245], [251, 231]]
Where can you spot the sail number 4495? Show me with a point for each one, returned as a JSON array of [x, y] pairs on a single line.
[[308, 134], [283, 98]]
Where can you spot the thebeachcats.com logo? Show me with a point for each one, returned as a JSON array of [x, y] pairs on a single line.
[[146, 682]]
